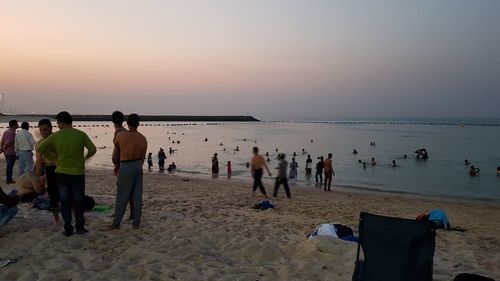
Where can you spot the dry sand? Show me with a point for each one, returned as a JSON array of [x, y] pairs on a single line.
[[205, 229]]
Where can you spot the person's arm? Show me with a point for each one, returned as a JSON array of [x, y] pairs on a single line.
[[115, 156], [39, 162], [32, 139], [145, 150], [267, 169], [91, 149], [43, 145]]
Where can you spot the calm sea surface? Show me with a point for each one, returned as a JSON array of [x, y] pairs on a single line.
[[444, 173]]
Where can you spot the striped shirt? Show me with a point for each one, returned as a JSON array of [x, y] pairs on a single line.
[[282, 166]]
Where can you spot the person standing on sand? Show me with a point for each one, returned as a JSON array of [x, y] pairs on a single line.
[[319, 171], [309, 162], [293, 171], [161, 159], [257, 164], [328, 166], [150, 162], [117, 118], [282, 176], [229, 169], [24, 144], [7, 148], [215, 164], [46, 166], [68, 144], [131, 147]]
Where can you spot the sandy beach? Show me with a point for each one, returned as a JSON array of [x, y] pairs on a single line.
[[205, 229]]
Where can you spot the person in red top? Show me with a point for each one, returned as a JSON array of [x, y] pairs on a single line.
[[7, 147], [328, 172]]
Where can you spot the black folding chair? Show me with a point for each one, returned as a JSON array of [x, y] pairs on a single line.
[[394, 249]]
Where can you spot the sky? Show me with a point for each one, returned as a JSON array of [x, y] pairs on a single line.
[[273, 59]]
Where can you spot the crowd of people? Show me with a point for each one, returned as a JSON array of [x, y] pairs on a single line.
[[59, 170]]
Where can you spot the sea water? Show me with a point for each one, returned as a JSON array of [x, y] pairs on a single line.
[[443, 174]]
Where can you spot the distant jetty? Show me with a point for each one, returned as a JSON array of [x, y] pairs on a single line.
[[164, 118]]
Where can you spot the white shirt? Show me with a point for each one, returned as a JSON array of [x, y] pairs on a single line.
[[24, 141]]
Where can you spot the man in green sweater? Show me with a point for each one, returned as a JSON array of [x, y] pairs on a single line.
[[68, 144]]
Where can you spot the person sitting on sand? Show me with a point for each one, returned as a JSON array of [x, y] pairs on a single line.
[[257, 164], [29, 186], [473, 171]]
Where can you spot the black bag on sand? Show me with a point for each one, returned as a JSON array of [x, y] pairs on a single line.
[[88, 203]]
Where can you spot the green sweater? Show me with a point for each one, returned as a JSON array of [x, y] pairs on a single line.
[[68, 144]]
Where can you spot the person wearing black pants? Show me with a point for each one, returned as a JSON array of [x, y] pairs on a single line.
[[257, 164]]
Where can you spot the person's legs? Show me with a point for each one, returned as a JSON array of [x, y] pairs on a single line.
[[10, 159], [328, 180], [125, 184], [29, 161], [137, 196], [258, 180], [50, 175], [287, 188], [65, 197], [276, 186], [22, 162], [78, 195]]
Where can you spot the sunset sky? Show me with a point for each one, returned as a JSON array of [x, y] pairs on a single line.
[[272, 59]]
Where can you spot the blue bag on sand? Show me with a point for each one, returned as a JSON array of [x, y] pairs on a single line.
[[439, 218], [263, 205]]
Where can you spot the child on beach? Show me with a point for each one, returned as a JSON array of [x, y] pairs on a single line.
[[150, 162], [229, 170]]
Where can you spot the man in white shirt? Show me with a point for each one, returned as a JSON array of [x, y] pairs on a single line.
[[25, 143]]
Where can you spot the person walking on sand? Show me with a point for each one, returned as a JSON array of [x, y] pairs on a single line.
[[328, 166], [24, 144], [117, 118], [46, 166], [7, 147], [68, 144], [257, 164], [132, 147], [282, 176], [293, 171]]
